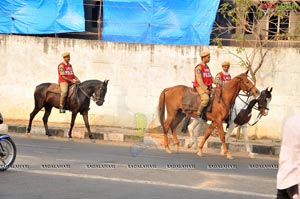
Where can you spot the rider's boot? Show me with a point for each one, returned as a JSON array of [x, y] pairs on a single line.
[[199, 111], [61, 105]]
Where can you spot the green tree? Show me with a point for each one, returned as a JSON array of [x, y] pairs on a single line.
[[247, 22]]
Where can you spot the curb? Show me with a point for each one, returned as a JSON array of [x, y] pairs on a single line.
[[259, 148], [133, 137], [79, 133]]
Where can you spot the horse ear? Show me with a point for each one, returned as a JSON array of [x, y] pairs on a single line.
[[106, 81], [271, 89], [247, 72]]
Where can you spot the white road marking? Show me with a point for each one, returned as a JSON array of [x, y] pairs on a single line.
[[147, 182]]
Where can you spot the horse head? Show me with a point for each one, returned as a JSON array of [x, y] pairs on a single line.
[[100, 93], [247, 85], [264, 100]]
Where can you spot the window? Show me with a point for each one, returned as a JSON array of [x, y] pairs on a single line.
[[92, 10], [278, 27], [251, 19]]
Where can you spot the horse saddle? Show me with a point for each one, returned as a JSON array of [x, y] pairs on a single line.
[[191, 100], [55, 88], [72, 92]]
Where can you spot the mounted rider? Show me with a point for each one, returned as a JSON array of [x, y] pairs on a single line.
[[203, 81], [224, 76], [66, 77]]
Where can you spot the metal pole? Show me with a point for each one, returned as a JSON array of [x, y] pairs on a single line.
[[99, 20]]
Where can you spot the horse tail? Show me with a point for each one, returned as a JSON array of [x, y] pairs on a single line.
[[161, 108]]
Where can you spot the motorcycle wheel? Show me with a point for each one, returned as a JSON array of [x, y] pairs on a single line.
[[8, 153]]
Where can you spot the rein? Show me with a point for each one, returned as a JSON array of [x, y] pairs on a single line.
[[259, 115], [254, 107], [92, 97], [256, 120], [236, 93]]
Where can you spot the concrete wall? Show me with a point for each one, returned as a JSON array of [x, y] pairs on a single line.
[[137, 74]]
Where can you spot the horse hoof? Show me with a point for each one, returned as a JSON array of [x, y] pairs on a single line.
[[229, 156], [28, 134], [93, 141], [252, 155], [168, 151], [50, 137], [222, 153], [70, 140], [200, 153], [190, 145]]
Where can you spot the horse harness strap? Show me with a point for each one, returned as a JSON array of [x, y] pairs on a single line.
[[90, 97], [256, 120], [247, 104]]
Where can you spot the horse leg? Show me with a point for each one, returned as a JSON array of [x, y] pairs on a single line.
[[208, 132], [244, 128], [74, 114], [193, 136], [238, 133], [229, 130], [48, 109], [228, 134], [174, 124], [185, 125], [196, 135], [167, 124], [87, 125], [222, 138], [32, 115]]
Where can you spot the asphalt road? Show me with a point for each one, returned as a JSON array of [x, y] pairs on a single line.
[[55, 168]]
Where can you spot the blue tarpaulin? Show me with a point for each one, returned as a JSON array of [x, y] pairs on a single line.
[[186, 22], [41, 16]]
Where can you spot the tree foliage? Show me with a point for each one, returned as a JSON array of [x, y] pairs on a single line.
[[246, 22]]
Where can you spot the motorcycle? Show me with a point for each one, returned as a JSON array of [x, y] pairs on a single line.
[[8, 150]]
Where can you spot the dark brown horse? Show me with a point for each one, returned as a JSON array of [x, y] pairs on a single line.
[[171, 99], [47, 95]]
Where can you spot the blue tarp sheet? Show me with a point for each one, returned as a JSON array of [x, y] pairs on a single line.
[[41, 16], [184, 22]]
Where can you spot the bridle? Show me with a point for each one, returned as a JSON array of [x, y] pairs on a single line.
[[250, 88], [236, 92], [93, 96], [261, 100]]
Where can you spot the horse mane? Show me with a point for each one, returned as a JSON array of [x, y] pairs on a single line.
[[91, 81]]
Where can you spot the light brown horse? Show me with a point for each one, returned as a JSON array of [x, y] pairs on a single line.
[[171, 99]]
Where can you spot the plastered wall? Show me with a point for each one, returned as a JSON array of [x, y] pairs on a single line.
[[137, 74]]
